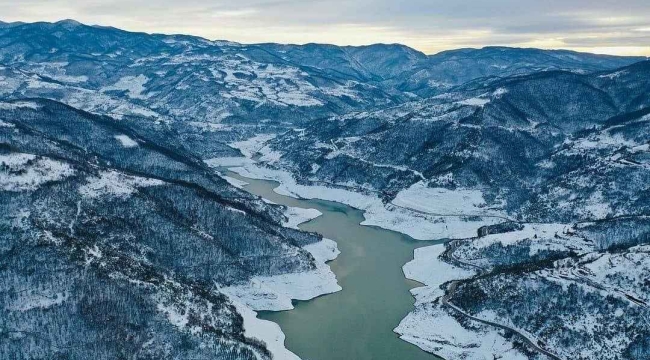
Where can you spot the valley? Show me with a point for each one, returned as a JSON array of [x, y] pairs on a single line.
[[170, 196], [346, 324]]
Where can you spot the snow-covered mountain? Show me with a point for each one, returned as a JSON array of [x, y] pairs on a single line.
[[189, 78], [561, 158], [118, 237], [117, 241], [449, 68], [508, 138]]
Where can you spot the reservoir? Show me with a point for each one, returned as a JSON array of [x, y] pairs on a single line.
[[356, 323]]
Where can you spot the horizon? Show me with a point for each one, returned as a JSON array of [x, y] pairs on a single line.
[[316, 43], [431, 26]]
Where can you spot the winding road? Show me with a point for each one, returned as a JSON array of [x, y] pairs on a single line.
[[531, 342]]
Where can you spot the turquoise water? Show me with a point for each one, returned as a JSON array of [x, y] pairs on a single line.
[[356, 323]]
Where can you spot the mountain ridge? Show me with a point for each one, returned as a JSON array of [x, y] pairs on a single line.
[[111, 145]]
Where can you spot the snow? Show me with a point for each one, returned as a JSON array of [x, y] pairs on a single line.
[[235, 210], [5, 124], [19, 105], [26, 172], [113, 183], [626, 272], [276, 292], [227, 161], [264, 330], [542, 231], [263, 83], [435, 331], [442, 201], [97, 102], [431, 326], [342, 91], [251, 146], [597, 207], [640, 148], [174, 315], [133, 85], [297, 216], [613, 75], [70, 78], [415, 224], [479, 102], [56, 71], [33, 300], [35, 82], [599, 141], [270, 156], [343, 152], [428, 269], [126, 141], [212, 126], [499, 92]]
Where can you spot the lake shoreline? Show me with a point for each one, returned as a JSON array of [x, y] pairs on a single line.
[[395, 243]]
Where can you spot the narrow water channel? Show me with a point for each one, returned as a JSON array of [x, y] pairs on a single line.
[[356, 323]]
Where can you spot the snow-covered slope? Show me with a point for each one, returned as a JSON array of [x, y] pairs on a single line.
[[558, 160], [117, 244], [118, 237]]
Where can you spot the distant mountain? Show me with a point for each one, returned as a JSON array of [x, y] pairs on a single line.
[[502, 137], [403, 68], [364, 63], [174, 77], [184, 77], [449, 68], [119, 241]]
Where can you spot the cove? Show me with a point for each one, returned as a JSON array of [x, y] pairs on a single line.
[[356, 323]]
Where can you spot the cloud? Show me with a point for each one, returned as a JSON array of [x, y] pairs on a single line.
[[429, 25], [234, 13]]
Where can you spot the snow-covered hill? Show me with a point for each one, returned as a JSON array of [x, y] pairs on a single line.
[[119, 239]]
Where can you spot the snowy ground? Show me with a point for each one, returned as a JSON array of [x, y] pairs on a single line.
[[113, 183], [275, 293], [432, 328], [428, 269], [27, 172], [414, 222], [435, 331]]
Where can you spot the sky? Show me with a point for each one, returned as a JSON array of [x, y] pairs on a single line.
[[620, 27]]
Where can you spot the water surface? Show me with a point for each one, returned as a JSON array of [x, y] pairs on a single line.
[[356, 323]]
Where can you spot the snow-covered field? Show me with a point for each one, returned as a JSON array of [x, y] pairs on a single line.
[[428, 269], [113, 183], [21, 172], [442, 201], [133, 85], [435, 331]]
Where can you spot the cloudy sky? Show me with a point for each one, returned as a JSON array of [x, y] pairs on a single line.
[[602, 26]]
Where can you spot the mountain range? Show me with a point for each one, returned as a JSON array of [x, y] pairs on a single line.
[[119, 240]]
